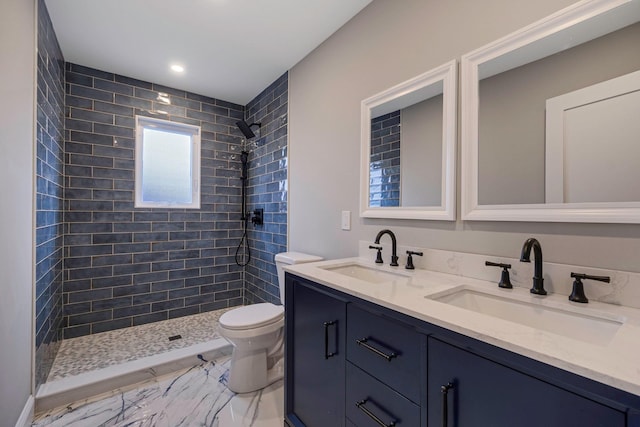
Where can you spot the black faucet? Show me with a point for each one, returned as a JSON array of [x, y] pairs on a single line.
[[538, 285], [394, 249]]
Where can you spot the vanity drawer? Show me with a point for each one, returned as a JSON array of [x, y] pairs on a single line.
[[368, 398], [386, 349]]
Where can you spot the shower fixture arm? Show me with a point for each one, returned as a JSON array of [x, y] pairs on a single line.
[[246, 128]]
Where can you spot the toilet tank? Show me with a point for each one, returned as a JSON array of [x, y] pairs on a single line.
[[290, 258]]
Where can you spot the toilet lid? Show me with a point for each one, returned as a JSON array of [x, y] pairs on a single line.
[[252, 316]]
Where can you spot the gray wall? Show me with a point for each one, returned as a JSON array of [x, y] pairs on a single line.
[[326, 88], [421, 150], [511, 158], [17, 86]]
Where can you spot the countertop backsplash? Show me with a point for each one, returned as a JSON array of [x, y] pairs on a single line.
[[624, 288]]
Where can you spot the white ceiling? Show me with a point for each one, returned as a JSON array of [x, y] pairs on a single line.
[[231, 49]]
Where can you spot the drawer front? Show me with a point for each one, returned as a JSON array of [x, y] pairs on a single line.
[[370, 403], [386, 349]]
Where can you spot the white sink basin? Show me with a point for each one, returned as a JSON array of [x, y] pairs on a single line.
[[579, 323], [368, 274]]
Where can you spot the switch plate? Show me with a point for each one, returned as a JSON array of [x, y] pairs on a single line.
[[346, 220]]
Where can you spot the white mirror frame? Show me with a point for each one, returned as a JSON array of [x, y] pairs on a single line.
[[446, 74], [606, 212]]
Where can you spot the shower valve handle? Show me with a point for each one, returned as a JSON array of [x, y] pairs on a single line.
[[257, 216]]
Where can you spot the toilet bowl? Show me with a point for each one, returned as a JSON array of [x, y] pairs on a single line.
[[257, 335]]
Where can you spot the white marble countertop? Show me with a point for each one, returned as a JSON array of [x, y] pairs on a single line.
[[614, 361]]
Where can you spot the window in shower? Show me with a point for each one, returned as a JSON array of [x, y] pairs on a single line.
[[167, 164]]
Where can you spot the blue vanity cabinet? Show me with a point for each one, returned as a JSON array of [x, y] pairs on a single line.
[[315, 323], [353, 363], [474, 388]]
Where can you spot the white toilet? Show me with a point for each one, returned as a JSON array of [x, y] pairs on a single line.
[[257, 335]]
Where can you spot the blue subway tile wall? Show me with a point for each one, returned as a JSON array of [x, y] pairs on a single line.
[[126, 266], [384, 166], [267, 189], [49, 194]]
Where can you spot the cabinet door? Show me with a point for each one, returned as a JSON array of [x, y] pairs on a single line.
[[315, 327], [486, 393]]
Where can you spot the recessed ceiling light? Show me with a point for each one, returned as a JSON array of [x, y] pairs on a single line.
[[177, 68]]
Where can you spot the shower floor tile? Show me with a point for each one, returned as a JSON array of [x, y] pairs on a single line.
[[92, 352]]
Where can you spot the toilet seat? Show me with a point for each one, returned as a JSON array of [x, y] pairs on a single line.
[[251, 316]]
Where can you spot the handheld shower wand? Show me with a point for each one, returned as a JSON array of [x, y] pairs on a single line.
[[244, 258], [244, 158]]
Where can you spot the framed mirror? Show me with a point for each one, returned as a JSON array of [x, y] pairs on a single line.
[[408, 149], [550, 125]]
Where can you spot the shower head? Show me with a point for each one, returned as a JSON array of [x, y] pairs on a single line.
[[246, 128]]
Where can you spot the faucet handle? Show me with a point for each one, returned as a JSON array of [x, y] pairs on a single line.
[[577, 293], [505, 281], [379, 255], [410, 265]]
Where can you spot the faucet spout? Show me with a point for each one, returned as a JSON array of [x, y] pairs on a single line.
[[538, 280], [394, 248]]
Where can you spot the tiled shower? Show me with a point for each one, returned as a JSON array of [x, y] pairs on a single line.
[[127, 266], [103, 264], [49, 194], [384, 188], [267, 188]]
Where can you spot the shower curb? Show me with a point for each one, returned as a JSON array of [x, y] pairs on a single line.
[[88, 385]]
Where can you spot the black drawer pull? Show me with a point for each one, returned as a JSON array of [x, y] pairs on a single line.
[[371, 415], [445, 407], [363, 342], [326, 339]]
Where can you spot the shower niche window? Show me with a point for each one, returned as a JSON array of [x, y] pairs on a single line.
[[167, 164]]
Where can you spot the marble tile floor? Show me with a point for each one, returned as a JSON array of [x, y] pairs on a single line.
[[98, 351], [196, 396]]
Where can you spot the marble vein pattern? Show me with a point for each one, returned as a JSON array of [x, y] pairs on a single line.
[[91, 352], [624, 288], [197, 396]]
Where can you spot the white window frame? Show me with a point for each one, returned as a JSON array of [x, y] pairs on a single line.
[[143, 122]]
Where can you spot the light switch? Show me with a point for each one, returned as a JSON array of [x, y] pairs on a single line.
[[346, 220]]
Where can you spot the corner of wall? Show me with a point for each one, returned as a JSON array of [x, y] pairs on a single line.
[[26, 416], [268, 189]]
